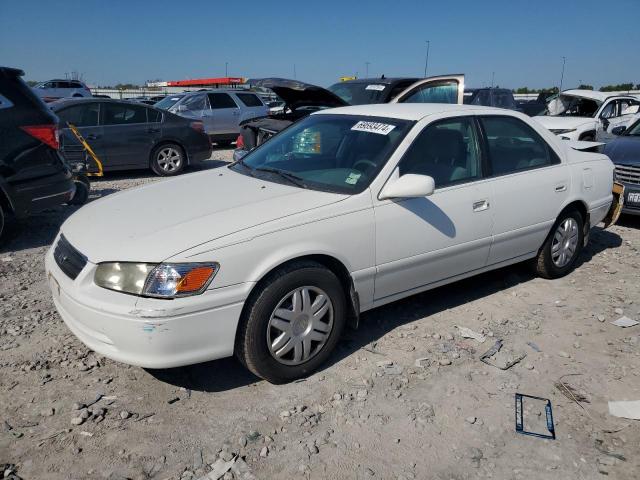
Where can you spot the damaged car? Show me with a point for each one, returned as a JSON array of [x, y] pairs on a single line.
[[346, 210], [301, 99], [588, 115]]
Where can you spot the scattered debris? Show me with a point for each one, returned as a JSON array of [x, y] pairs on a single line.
[[624, 322], [534, 346], [468, 333], [520, 417], [502, 359], [625, 409]]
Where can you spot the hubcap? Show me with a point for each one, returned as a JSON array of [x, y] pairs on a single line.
[[300, 325], [565, 242], [169, 159]]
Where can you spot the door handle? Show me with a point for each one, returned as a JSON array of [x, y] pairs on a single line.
[[153, 130], [561, 188], [480, 205], [91, 136]]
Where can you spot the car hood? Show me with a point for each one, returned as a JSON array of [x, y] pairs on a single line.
[[297, 94], [624, 150], [552, 122], [160, 220]]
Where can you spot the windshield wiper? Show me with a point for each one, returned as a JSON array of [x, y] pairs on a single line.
[[296, 180]]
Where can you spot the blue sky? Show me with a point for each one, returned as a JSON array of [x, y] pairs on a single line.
[[131, 41]]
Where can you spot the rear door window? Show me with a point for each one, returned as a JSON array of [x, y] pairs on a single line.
[[84, 115], [118, 114], [221, 100], [249, 99], [514, 146], [154, 116]]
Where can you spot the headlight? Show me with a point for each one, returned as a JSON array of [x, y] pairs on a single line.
[[164, 280], [560, 131]]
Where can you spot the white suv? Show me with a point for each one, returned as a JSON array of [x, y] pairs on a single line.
[[55, 89], [588, 115]]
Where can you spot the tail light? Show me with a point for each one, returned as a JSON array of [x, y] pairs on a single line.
[[47, 134], [197, 126], [239, 142]]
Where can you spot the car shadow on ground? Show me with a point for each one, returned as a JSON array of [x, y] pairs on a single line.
[[228, 373]]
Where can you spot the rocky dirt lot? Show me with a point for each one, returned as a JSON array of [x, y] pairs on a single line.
[[404, 397]]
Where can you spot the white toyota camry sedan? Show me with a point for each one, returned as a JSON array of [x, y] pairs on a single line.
[[346, 210]]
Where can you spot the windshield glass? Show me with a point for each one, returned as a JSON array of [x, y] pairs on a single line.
[[357, 93], [570, 106], [167, 102], [634, 130], [338, 153]]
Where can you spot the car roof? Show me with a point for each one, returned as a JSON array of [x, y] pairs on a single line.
[[410, 111], [65, 102], [594, 95]]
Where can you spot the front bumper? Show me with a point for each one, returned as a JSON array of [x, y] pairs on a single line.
[[146, 332]]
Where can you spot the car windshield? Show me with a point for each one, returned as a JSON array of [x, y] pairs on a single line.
[[359, 93], [338, 153], [570, 106], [167, 102], [634, 130]]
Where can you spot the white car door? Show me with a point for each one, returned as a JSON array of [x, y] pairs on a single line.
[[530, 183], [441, 89], [421, 241]]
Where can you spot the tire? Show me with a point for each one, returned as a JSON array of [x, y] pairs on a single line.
[[83, 187], [278, 349], [568, 229], [224, 143], [249, 137], [589, 137], [168, 159]]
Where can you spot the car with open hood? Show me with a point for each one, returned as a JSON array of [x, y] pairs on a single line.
[[349, 208], [301, 99], [588, 115]]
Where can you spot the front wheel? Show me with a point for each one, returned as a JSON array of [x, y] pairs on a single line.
[[562, 247], [167, 160], [2, 220], [291, 325]]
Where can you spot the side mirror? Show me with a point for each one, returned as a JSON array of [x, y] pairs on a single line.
[[618, 130], [408, 186]]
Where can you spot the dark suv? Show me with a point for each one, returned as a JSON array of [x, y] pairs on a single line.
[[33, 174]]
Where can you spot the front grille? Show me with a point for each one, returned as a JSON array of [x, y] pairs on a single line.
[[70, 260], [628, 174]]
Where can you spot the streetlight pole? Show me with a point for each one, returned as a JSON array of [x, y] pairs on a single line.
[[493, 76], [226, 69], [564, 59], [366, 64], [426, 62], [294, 71]]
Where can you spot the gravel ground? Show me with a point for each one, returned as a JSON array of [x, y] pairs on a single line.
[[405, 396]]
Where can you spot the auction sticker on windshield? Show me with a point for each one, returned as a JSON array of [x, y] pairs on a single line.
[[373, 127], [379, 88]]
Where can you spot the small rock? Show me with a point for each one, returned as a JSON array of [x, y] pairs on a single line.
[[619, 311], [47, 412], [243, 440], [471, 420], [444, 361], [124, 414], [563, 354], [264, 451], [77, 421]]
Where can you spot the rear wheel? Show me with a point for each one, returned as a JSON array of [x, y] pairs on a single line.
[[83, 187], [292, 323], [589, 137], [562, 247], [168, 159]]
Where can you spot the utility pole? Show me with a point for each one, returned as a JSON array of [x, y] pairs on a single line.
[[294, 71], [564, 59], [426, 62], [226, 68], [493, 76], [366, 64]]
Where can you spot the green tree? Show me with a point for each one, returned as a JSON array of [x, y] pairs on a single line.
[[126, 86], [585, 87], [617, 88], [32, 83]]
